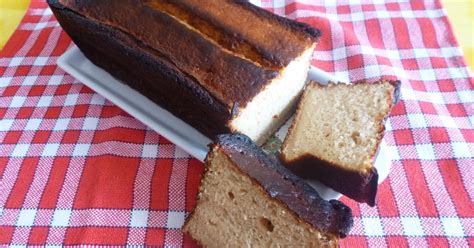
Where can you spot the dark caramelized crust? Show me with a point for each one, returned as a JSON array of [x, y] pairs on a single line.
[[142, 74], [343, 181], [331, 217]]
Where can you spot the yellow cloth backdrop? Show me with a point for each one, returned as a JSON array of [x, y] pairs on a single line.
[[461, 13], [11, 12]]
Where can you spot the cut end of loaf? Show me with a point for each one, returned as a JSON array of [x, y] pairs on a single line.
[[270, 108]]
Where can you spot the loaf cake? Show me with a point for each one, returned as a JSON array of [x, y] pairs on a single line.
[[335, 135], [221, 66], [248, 199]]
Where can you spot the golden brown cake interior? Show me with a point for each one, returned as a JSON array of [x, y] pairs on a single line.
[[336, 134], [341, 124]]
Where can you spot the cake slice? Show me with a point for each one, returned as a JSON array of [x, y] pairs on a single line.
[[335, 135], [248, 199], [222, 66]]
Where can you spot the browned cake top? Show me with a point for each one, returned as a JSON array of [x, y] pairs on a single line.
[[247, 30], [232, 48], [328, 216]]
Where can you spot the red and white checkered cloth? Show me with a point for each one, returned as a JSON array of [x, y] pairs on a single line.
[[75, 169]]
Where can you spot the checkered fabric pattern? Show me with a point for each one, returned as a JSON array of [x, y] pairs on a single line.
[[75, 169]]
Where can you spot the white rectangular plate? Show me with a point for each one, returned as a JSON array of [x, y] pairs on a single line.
[[171, 127]]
